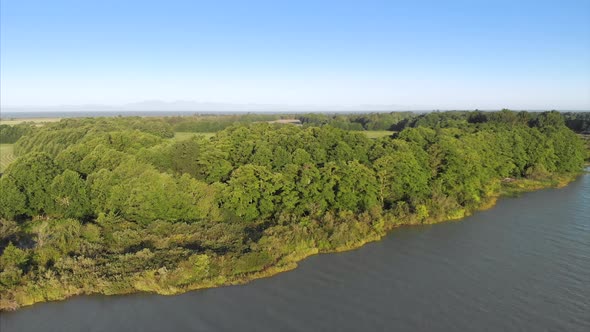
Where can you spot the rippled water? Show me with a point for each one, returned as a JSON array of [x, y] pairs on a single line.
[[521, 266]]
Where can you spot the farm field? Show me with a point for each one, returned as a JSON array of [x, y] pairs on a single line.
[[6, 156], [38, 121], [378, 133]]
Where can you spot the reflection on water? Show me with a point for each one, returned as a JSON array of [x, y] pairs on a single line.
[[523, 265]]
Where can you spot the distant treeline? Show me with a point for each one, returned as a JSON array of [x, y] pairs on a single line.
[[396, 121], [11, 134], [112, 205], [579, 122]]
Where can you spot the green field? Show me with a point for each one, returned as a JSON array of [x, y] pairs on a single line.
[[378, 133], [37, 121], [6, 156], [181, 136]]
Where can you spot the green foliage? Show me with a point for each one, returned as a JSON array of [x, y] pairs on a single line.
[[402, 175], [48, 140], [252, 262], [112, 205], [10, 277], [356, 187], [62, 235], [9, 230], [154, 127], [372, 121], [252, 192], [578, 122], [11, 134], [31, 175], [12, 200], [549, 119], [70, 195], [13, 257]]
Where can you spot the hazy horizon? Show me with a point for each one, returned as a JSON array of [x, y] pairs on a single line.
[[188, 106], [423, 55]]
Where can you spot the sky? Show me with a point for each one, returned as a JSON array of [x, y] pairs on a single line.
[[407, 54]]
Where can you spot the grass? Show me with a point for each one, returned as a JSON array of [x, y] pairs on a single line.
[[520, 186], [37, 121], [6, 156], [378, 133], [181, 135]]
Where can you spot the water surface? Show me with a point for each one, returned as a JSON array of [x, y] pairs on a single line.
[[522, 266]]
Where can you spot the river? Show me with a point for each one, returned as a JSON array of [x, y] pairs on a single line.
[[523, 265]]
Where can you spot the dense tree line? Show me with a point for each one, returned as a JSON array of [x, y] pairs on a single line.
[[215, 123], [52, 138], [578, 121], [394, 121], [364, 121], [10, 134], [113, 205]]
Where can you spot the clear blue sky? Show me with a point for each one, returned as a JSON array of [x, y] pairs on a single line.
[[415, 54]]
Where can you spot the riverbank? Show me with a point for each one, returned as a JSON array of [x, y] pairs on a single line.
[[160, 281]]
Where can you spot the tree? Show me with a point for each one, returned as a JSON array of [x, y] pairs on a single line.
[[401, 176], [13, 257], [70, 195], [55, 239], [252, 192], [569, 150], [198, 200], [301, 157], [547, 120], [12, 263], [32, 175], [356, 187], [12, 200]]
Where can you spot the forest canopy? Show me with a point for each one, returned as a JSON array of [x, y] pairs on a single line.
[[115, 205]]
